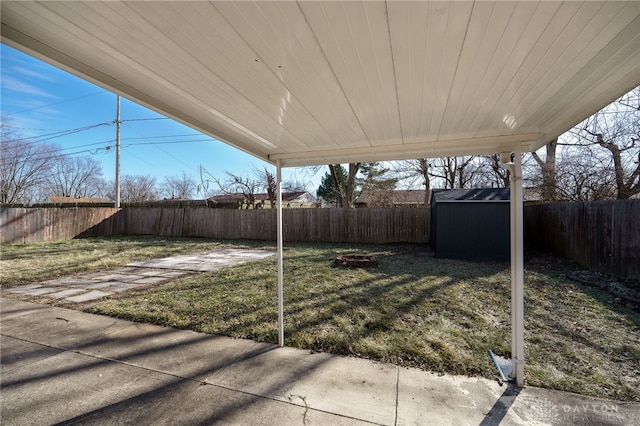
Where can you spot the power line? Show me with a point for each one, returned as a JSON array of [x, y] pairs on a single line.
[[89, 144], [144, 161], [54, 135], [153, 140], [170, 142], [171, 136], [166, 152], [30, 128], [61, 133], [60, 130], [58, 103], [109, 141], [146, 119]]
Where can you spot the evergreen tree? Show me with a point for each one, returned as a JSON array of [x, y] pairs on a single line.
[[378, 184], [327, 190]]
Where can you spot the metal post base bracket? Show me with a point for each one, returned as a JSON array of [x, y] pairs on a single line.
[[504, 366]]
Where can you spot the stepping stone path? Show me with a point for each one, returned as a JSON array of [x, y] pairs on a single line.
[[96, 285]]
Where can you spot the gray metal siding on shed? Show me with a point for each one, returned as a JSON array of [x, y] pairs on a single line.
[[472, 230]]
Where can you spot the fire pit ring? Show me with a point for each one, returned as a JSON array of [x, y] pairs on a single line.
[[355, 261]]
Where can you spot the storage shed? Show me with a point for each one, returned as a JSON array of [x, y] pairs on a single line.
[[471, 223]]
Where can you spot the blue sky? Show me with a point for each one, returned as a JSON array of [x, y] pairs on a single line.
[[42, 101]]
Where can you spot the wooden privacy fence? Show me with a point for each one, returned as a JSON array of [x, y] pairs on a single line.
[[602, 235], [312, 225], [32, 225], [409, 225]]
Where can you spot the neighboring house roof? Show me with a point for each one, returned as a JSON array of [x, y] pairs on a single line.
[[396, 197], [227, 198], [286, 196], [66, 200], [298, 196], [457, 195]]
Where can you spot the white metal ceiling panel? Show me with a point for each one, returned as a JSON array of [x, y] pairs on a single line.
[[324, 82]]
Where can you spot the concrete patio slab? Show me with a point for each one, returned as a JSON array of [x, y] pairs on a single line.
[[150, 280], [178, 352], [354, 388], [425, 398], [61, 294], [89, 296], [545, 406], [122, 277], [319, 381], [16, 353], [206, 261], [77, 281], [68, 384], [55, 327], [96, 285], [61, 365], [32, 290], [111, 286]]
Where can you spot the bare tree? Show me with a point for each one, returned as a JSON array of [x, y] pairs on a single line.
[[597, 159], [137, 189], [410, 170], [616, 131], [248, 185], [344, 183], [265, 179], [24, 164], [295, 185], [237, 184], [74, 177], [178, 187], [581, 175], [568, 172], [205, 188], [549, 185], [456, 172], [493, 173], [378, 183]]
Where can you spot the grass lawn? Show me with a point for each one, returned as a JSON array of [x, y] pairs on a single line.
[[413, 310]]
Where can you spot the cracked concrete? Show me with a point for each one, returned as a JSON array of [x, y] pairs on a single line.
[[292, 399]]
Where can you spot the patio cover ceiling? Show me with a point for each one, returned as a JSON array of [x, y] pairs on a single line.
[[332, 82]]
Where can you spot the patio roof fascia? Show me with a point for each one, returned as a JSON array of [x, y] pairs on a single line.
[[445, 148]]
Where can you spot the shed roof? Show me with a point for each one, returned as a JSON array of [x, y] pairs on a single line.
[[466, 195], [311, 82]]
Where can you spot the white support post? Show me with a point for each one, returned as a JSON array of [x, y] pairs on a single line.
[[280, 265], [517, 271], [117, 203]]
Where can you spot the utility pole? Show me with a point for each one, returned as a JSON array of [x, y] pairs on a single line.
[[118, 152]]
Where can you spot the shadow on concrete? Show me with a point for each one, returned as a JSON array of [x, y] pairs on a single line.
[[49, 389], [500, 409]]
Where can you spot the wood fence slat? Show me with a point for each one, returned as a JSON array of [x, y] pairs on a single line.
[[601, 235]]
